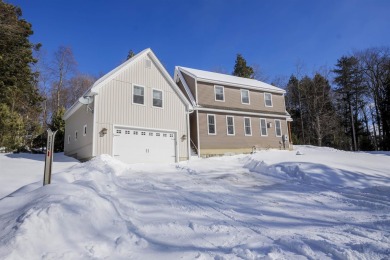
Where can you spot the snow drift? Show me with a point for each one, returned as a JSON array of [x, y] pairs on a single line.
[[323, 204]]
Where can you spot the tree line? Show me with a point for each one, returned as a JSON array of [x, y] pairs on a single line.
[[346, 107], [35, 87]]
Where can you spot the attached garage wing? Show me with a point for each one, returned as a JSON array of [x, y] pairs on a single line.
[[135, 145]]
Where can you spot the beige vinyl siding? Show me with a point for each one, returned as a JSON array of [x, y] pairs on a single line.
[[232, 96], [82, 147], [191, 84], [115, 106], [222, 140], [182, 89]]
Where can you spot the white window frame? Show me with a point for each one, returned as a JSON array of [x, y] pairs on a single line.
[[250, 126], [265, 100], [280, 126], [68, 139], [227, 126], [215, 124], [162, 98], [215, 93], [75, 135], [85, 130], [266, 127], [249, 98], [132, 95]]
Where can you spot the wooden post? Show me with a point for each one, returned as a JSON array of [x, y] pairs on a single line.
[[49, 156]]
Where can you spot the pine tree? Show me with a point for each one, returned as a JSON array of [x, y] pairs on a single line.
[[130, 55], [19, 95], [350, 91], [58, 124], [241, 69]]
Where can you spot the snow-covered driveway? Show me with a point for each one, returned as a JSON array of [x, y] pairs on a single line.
[[325, 204]]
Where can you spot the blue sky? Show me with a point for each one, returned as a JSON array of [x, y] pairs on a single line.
[[207, 34]]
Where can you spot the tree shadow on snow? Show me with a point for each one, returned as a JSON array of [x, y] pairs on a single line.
[[57, 157]]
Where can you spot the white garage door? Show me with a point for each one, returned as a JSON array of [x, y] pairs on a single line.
[[143, 146]]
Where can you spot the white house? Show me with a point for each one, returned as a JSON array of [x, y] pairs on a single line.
[[135, 113]]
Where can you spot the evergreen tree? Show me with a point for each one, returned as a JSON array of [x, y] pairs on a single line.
[[130, 55], [19, 95], [350, 92], [58, 124], [241, 69]]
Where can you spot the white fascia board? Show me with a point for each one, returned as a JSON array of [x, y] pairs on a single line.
[[170, 80], [100, 82], [187, 89], [241, 112], [113, 73]]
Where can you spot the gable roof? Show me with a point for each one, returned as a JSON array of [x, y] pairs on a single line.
[[93, 90], [230, 80]]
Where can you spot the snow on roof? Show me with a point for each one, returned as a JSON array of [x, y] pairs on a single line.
[[230, 80]]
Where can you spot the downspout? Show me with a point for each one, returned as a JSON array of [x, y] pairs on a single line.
[[188, 112]]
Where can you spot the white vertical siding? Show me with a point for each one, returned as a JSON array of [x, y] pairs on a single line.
[[82, 147], [114, 106]]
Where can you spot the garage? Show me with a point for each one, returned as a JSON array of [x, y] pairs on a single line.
[[134, 145]]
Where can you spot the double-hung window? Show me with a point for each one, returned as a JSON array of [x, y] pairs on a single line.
[[244, 96], [278, 128], [247, 126], [263, 127], [138, 95], [219, 93], [268, 99], [211, 124], [157, 98], [230, 125]]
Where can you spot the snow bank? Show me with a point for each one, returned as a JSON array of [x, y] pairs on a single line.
[[327, 204]]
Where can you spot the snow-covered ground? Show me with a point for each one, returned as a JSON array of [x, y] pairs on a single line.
[[323, 204]]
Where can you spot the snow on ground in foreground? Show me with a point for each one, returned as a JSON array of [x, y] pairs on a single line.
[[324, 204]]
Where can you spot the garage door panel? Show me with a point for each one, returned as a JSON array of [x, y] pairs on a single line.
[[135, 146]]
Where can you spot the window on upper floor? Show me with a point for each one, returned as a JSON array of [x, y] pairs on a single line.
[[157, 98], [219, 93], [268, 99], [75, 135], [138, 95], [278, 128], [263, 127], [230, 125], [85, 130], [211, 125], [247, 126], [244, 96]]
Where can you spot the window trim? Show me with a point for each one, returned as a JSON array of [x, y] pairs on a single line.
[[215, 93], [85, 130], [266, 127], [227, 126], [280, 126], [75, 135], [215, 125], [265, 100], [249, 98], [250, 126], [162, 98], [132, 95]]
